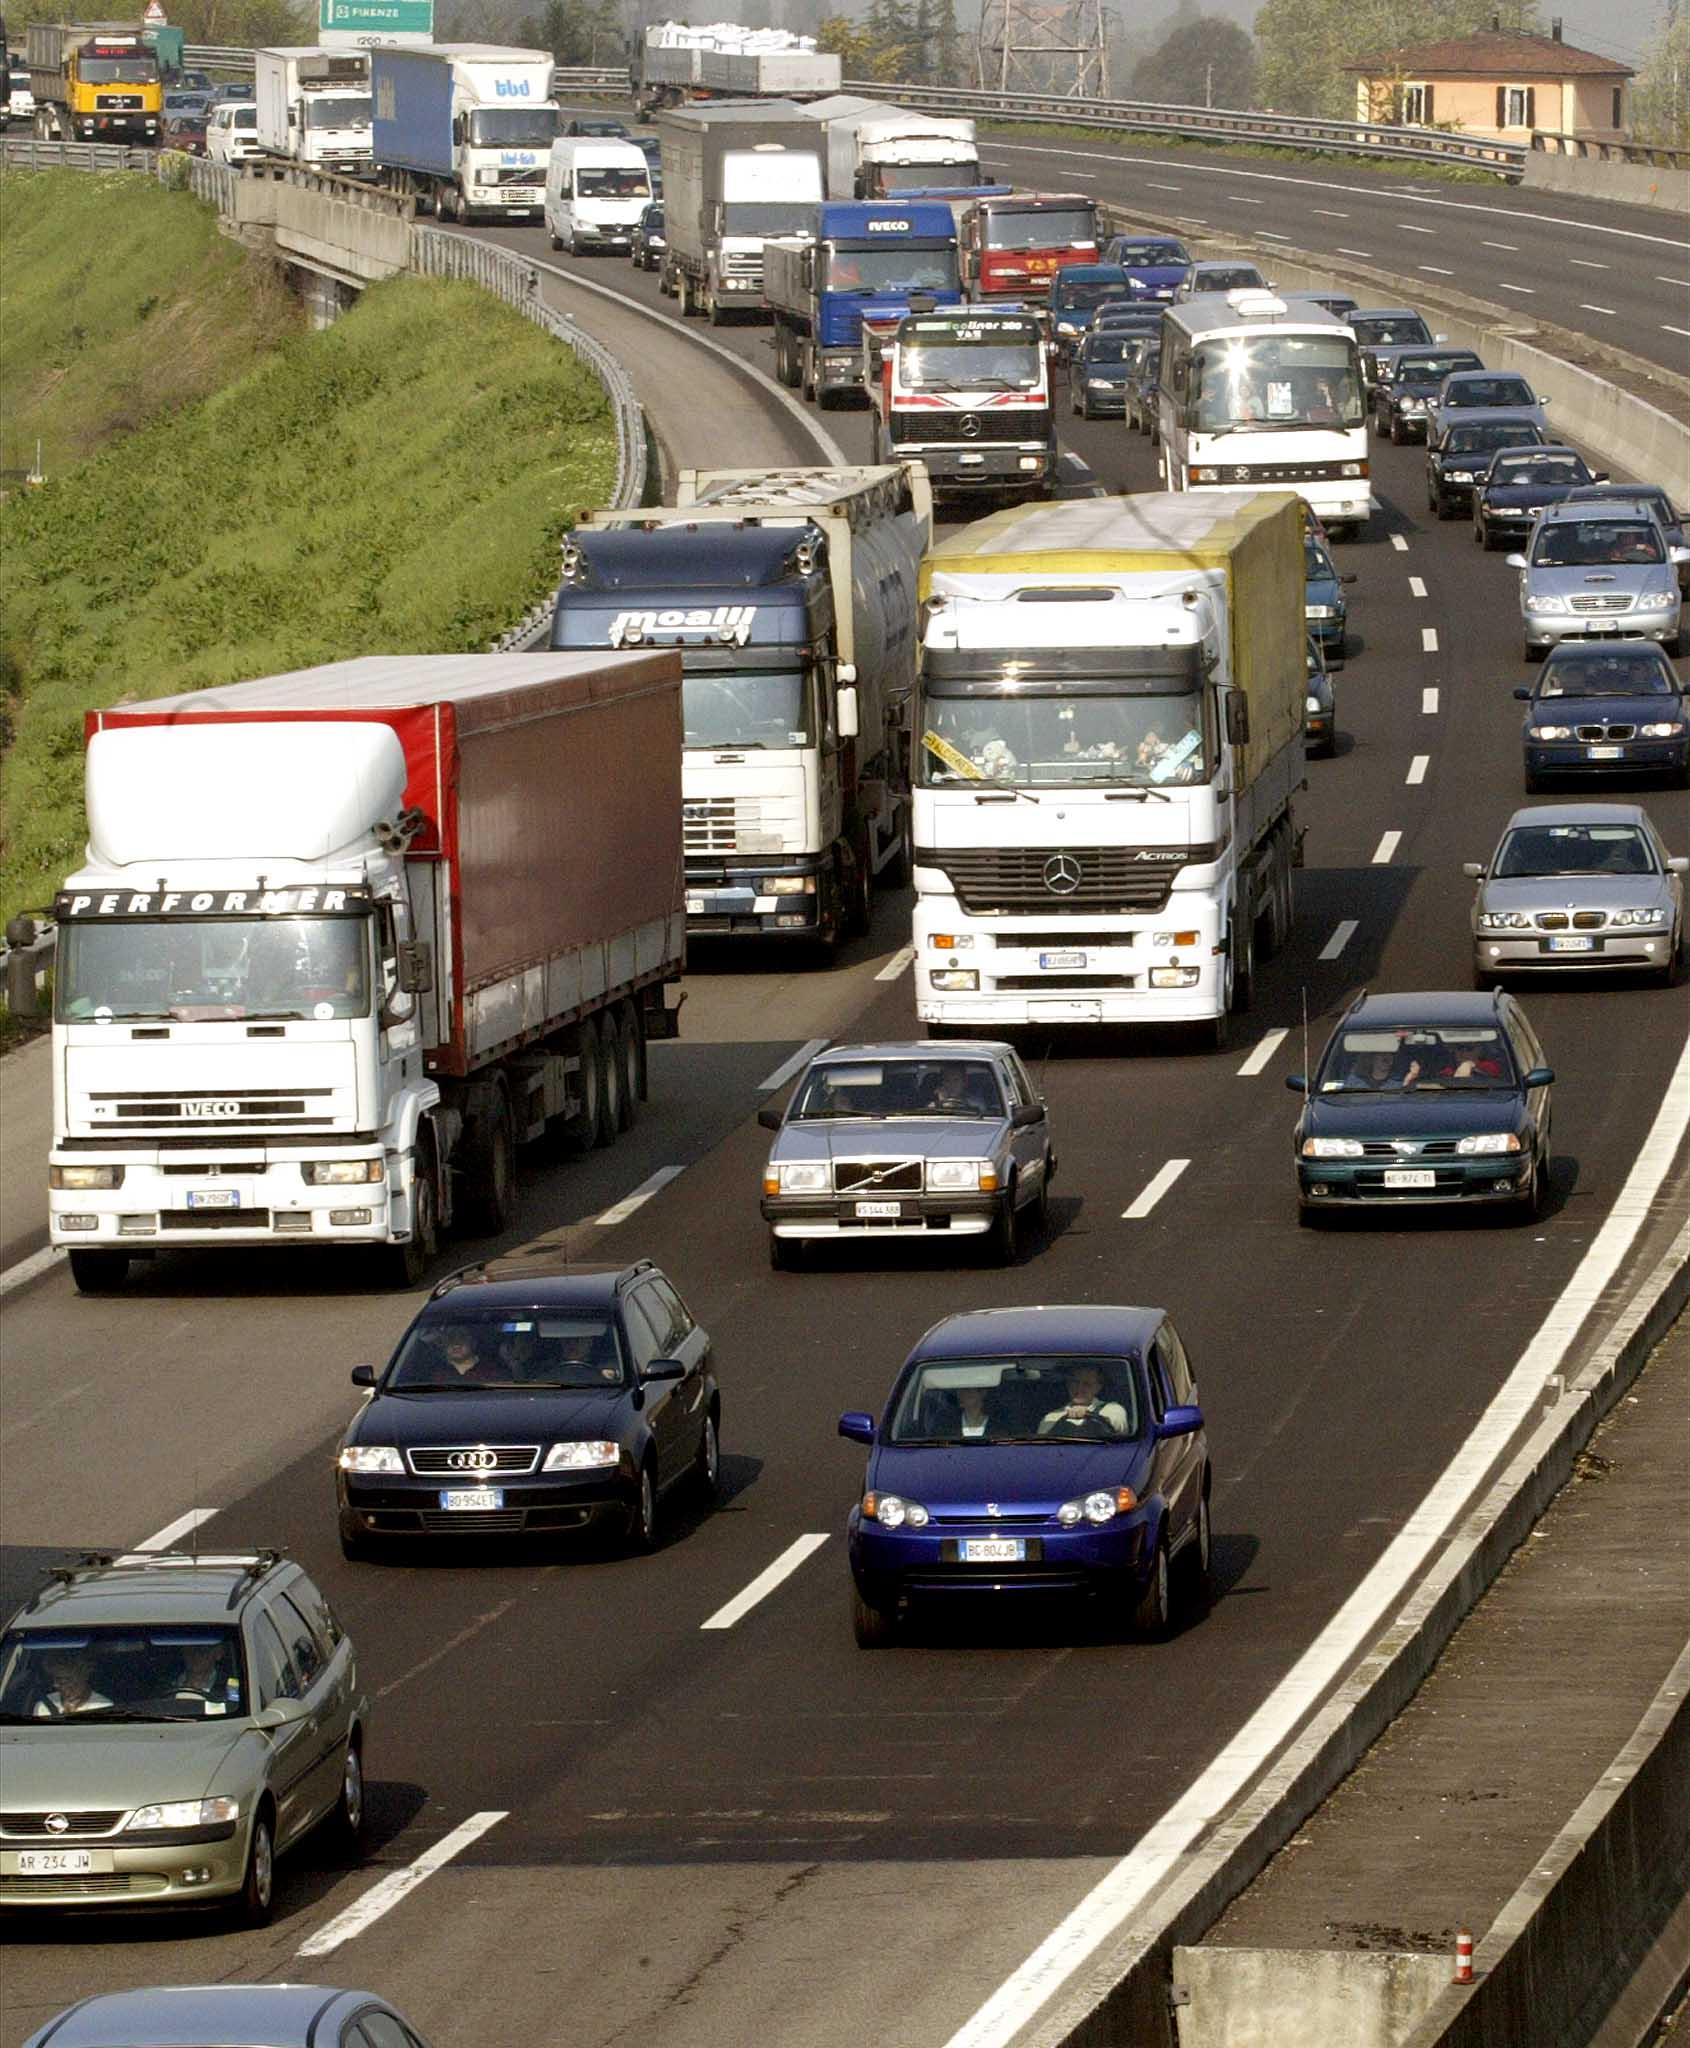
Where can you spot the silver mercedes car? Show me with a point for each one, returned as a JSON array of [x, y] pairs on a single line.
[[1578, 886], [915, 1141], [1591, 572]]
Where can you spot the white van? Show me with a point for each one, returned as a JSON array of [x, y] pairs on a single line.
[[231, 134], [596, 189]]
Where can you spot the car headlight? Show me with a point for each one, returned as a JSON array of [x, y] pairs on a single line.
[[1311, 702], [958, 978], [1487, 1144], [1662, 729], [1102, 1506], [1332, 1148], [803, 1177], [1540, 601], [891, 1512], [1657, 601], [184, 1813], [85, 1176], [1458, 476], [1067, 327], [1320, 611], [1631, 919], [335, 1173], [1504, 921], [1552, 732], [1411, 405], [597, 1454], [370, 1458], [954, 1176], [1097, 384]]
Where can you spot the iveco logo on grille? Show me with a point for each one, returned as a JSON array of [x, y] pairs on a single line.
[[472, 1461], [210, 1106], [1062, 874]]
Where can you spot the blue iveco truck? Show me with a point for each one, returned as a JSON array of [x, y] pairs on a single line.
[[858, 273]]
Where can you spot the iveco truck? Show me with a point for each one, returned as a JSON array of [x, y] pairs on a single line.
[[1108, 740], [314, 106]]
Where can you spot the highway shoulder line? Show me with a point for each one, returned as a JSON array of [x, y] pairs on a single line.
[[32, 1268], [398, 1884]]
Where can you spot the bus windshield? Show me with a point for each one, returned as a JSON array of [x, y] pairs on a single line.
[[1141, 741], [1275, 382]]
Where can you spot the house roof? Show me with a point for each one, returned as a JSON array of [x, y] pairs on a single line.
[[1492, 53]]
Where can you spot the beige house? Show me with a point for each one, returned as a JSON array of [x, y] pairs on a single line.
[[1500, 82]]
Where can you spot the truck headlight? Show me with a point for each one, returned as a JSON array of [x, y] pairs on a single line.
[[957, 1176], [791, 885], [597, 1454], [85, 1176], [1352, 469], [371, 1458], [1175, 977], [1332, 1148], [1487, 1144], [184, 1813], [804, 1177], [956, 979], [340, 1173], [951, 942], [487, 177]]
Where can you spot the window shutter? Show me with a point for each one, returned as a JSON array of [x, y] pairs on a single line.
[[1616, 122], [1531, 106], [1502, 106], [1426, 106]]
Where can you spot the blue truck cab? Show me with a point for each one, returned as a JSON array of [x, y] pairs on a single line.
[[866, 260]]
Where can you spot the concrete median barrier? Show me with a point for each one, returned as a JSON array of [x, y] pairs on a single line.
[[1585, 177]]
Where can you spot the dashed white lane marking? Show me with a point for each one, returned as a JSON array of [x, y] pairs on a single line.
[[1268, 235], [173, 1532], [31, 1268], [1586, 307], [1330, 213], [1264, 1051], [765, 1582], [1238, 199], [1428, 639], [1436, 269], [1429, 698], [1514, 246], [1388, 844], [1685, 281], [1417, 586], [1665, 329], [619, 1212], [383, 1897], [1342, 251], [1399, 543], [897, 964], [1417, 769], [1525, 291], [1409, 228], [787, 1068], [1584, 263], [1341, 937], [1161, 188], [1155, 1189]]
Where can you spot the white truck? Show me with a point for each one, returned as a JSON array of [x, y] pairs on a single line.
[[791, 593], [769, 74], [314, 106], [1109, 735], [735, 174], [677, 61], [878, 151], [345, 939], [465, 128]]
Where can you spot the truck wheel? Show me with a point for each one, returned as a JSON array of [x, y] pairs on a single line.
[[807, 372], [582, 1129], [610, 1080], [1243, 939], [630, 1043], [410, 1262], [99, 1272], [490, 1173], [899, 871], [713, 309], [857, 893]]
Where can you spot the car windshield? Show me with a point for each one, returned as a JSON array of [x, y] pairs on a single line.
[[128, 1672], [1126, 348], [1148, 255], [338, 110], [1019, 1400], [1316, 561], [745, 708], [1538, 469], [971, 355], [514, 127], [1087, 294], [1635, 671], [1027, 741], [1227, 277], [1386, 1060], [898, 1087], [894, 267], [1049, 228], [212, 970], [527, 1348], [1466, 391], [1494, 434], [1573, 850], [1389, 331], [1266, 383], [1429, 369], [1591, 543], [612, 181]]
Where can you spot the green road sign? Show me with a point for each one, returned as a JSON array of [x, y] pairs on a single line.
[[376, 17]]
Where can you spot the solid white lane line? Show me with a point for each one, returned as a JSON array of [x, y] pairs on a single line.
[[1417, 769], [1121, 1897], [896, 965], [1428, 639], [1429, 698], [1341, 937], [765, 1582], [398, 1884], [31, 1268], [1264, 1051], [1342, 251], [173, 1532], [1154, 1190], [1584, 263], [619, 1212], [1525, 290], [1436, 269], [787, 1068], [1514, 246], [1586, 307], [1399, 543], [1388, 844], [1417, 586]]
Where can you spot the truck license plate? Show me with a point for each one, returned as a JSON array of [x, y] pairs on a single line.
[[870, 1210], [1603, 753], [1062, 959], [1410, 1177], [993, 1549], [55, 1862], [472, 1500], [214, 1198], [1572, 943]]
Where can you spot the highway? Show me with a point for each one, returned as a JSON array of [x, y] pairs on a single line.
[[686, 1832]]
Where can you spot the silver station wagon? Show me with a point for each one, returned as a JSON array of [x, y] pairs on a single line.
[[1593, 571], [913, 1141]]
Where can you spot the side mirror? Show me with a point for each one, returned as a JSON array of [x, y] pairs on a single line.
[[1601, 477], [857, 1426], [769, 1117], [1026, 1115], [363, 1375], [1474, 868], [1180, 1422], [1546, 399], [416, 967], [1524, 695], [1237, 718], [1540, 1077], [1678, 865], [1297, 1083], [661, 1369], [1515, 561], [279, 1714], [848, 707]]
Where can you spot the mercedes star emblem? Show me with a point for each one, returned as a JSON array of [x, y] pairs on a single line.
[[1062, 874], [970, 428]]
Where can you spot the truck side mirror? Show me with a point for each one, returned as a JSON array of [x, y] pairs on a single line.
[[848, 711], [416, 967], [1237, 718]]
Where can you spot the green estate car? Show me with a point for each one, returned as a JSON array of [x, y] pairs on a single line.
[[169, 1725]]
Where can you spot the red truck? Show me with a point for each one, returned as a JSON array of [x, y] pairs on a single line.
[[1014, 243]]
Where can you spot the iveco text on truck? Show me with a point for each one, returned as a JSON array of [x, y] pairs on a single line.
[[966, 393], [1109, 734], [346, 938], [791, 594], [314, 106], [734, 175], [466, 128], [94, 84]]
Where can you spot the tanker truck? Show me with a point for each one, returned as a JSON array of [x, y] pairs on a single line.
[[346, 938], [791, 594]]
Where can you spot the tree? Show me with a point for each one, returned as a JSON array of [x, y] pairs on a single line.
[[947, 45], [1207, 62], [1660, 97]]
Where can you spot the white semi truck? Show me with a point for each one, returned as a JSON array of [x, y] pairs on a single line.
[[314, 106], [735, 174], [346, 938], [465, 128], [877, 151], [1108, 739]]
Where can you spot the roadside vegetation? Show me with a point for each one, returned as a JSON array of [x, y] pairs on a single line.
[[396, 484]]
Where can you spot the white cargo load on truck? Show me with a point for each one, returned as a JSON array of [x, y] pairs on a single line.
[[314, 106]]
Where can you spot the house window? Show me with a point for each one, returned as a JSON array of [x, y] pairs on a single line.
[[1416, 106], [1619, 109], [1516, 106]]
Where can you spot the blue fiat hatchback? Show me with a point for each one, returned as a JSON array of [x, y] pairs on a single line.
[[1035, 1450]]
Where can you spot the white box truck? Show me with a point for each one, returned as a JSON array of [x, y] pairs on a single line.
[[465, 128], [877, 151], [1108, 738], [314, 106], [734, 176]]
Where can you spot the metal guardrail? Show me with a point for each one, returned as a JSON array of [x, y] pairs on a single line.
[[592, 78], [25, 153], [1551, 142]]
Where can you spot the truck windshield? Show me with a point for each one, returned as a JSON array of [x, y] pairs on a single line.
[[118, 71], [1136, 741], [1049, 229], [918, 266], [927, 177], [338, 110], [207, 970], [612, 181], [1270, 383], [973, 358], [746, 708], [514, 127], [769, 217]]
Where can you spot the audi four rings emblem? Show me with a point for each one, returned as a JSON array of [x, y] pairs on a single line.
[[1062, 874], [472, 1461]]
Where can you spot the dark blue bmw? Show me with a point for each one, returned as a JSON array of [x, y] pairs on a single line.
[[1035, 1450]]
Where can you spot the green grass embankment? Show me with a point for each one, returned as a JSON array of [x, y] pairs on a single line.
[[397, 484]]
